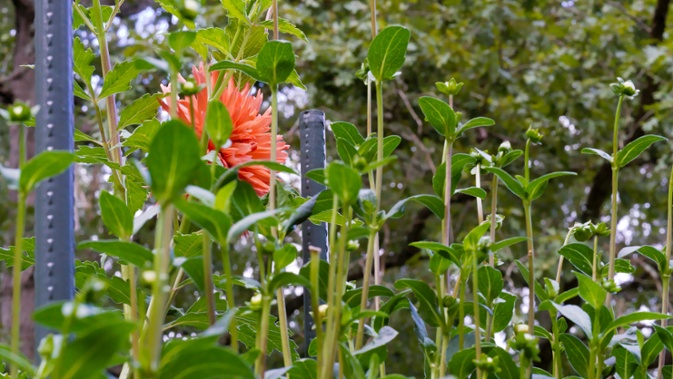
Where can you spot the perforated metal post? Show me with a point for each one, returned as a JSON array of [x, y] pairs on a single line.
[[54, 204], [312, 129]]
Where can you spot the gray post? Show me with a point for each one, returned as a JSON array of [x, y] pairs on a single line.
[[312, 143], [54, 204]]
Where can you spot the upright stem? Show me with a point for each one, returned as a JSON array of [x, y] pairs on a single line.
[[615, 182], [480, 208], [260, 364], [594, 273], [208, 277], [16, 277], [461, 312], [475, 302], [274, 140], [491, 257], [229, 288], [327, 358], [365, 287], [559, 270], [380, 134], [372, 12], [531, 265], [152, 338], [315, 300], [666, 276], [284, 334]]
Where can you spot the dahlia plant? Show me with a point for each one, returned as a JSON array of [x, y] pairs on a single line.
[[197, 163]]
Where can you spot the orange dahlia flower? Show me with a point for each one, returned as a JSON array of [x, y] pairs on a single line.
[[251, 135]]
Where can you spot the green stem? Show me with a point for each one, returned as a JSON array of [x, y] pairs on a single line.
[[559, 270], [315, 300], [461, 313], [152, 338], [594, 272], [531, 265], [556, 347], [379, 147], [328, 347], [282, 321], [229, 288], [615, 182], [208, 277], [260, 364], [666, 276], [274, 138], [439, 369], [365, 287], [16, 276], [494, 224], [475, 301]]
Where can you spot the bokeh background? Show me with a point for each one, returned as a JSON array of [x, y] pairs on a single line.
[[546, 64]]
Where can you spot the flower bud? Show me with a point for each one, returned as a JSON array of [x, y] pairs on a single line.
[[487, 364], [448, 301], [624, 88], [611, 286], [584, 232], [19, 112], [534, 135], [602, 229], [449, 88], [521, 328], [353, 245], [322, 311], [256, 302], [268, 248], [189, 9], [505, 147], [149, 277], [189, 88]]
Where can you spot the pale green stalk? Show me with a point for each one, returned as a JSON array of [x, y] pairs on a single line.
[[315, 300], [365, 287], [666, 276], [615, 183], [229, 289], [16, 275], [594, 271], [328, 348]]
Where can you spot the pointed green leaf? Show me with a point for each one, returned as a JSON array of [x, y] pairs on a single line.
[[600, 153], [216, 223], [285, 279], [82, 61], [635, 148], [142, 136], [633, 318], [244, 68], [387, 52], [536, 187], [173, 160], [591, 291], [440, 115], [285, 26], [42, 166], [654, 254], [140, 110], [432, 202], [116, 215], [249, 221], [180, 40], [580, 256], [275, 62], [476, 122], [218, 123], [507, 243], [344, 181], [490, 283], [427, 298], [127, 252], [473, 191], [512, 184], [576, 315], [577, 352], [236, 9], [120, 77], [347, 131]]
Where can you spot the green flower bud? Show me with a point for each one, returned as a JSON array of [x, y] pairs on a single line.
[[449, 88], [268, 248], [611, 286], [448, 301], [19, 112], [353, 245], [190, 88], [94, 290], [46, 347], [149, 277], [256, 302], [584, 232], [534, 135], [505, 147], [602, 229], [624, 88], [322, 310], [188, 9], [526, 343], [359, 163], [487, 364]]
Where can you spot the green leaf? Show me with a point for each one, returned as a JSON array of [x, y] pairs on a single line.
[[476, 122], [285, 26], [665, 336], [353, 297], [387, 52], [304, 369], [508, 368], [127, 252], [503, 312], [347, 152], [231, 173], [472, 238], [536, 187], [43, 166], [93, 350], [580, 256], [654, 254], [27, 256], [427, 298], [79, 92], [275, 62], [576, 315], [462, 364], [600, 153], [577, 352], [633, 318], [651, 349], [201, 358], [490, 283], [284, 256], [625, 362], [216, 223], [440, 115], [82, 58], [142, 136], [512, 184], [635, 148], [344, 181], [120, 77], [458, 163], [432, 202], [140, 110], [116, 215], [592, 292], [244, 68], [288, 279], [507, 243], [236, 9], [347, 131], [218, 123], [384, 336], [213, 37], [181, 40], [252, 220], [473, 191], [173, 160], [22, 362]]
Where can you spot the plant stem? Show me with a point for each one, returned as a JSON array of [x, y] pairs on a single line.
[[328, 343], [594, 272], [282, 321], [365, 287], [446, 229], [315, 300], [475, 301], [559, 270], [229, 288], [666, 276], [615, 182], [480, 207], [208, 277], [461, 312], [152, 339], [260, 364], [16, 275], [531, 265], [556, 346]]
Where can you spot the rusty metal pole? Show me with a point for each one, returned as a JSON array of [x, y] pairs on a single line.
[[54, 204]]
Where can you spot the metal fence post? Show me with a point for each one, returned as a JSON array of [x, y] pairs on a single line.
[[312, 148], [54, 205]]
